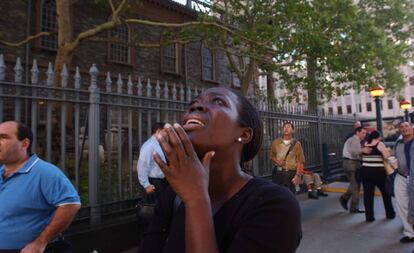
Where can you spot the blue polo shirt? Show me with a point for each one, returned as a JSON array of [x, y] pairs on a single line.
[[28, 200]]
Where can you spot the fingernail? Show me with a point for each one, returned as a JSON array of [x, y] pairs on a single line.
[[213, 153], [176, 125], [168, 125]]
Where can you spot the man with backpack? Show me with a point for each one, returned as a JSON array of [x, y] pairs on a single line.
[[287, 155]]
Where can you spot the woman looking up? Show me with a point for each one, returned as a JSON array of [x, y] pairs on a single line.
[[222, 209]]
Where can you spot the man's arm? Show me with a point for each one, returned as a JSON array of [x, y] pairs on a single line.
[[143, 169], [61, 220]]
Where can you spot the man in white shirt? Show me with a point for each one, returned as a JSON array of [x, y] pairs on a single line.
[[402, 153], [150, 175]]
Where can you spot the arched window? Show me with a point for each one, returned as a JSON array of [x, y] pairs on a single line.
[[48, 23], [120, 52]]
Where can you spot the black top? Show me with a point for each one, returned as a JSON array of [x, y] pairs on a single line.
[[261, 217]]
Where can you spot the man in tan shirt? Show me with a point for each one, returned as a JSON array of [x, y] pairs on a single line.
[[287, 155]]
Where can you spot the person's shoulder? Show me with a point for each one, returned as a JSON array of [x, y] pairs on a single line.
[[265, 190], [277, 141], [47, 169]]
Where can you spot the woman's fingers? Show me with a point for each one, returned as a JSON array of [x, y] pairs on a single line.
[[185, 140], [163, 166], [207, 158], [175, 142], [163, 140]]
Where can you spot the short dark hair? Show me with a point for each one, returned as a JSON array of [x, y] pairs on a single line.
[[373, 135], [156, 126], [358, 129], [288, 123], [249, 117], [24, 132]]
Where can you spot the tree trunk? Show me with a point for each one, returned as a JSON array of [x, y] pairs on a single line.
[[270, 82], [65, 38], [311, 82]]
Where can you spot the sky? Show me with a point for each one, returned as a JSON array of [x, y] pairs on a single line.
[[180, 1]]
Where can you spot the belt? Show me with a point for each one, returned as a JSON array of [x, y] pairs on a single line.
[[346, 158], [284, 170]]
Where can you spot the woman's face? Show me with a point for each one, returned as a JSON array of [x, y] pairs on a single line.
[[211, 122]]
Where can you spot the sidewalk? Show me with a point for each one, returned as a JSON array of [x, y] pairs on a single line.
[[328, 228]]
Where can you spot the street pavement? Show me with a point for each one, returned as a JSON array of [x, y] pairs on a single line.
[[328, 228]]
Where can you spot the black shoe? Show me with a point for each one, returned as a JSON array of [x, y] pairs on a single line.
[[313, 195], [322, 194], [391, 216], [357, 211], [344, 203], [406, 239], [370, 219]]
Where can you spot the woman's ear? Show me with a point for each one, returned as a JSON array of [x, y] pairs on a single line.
[[247, 135]]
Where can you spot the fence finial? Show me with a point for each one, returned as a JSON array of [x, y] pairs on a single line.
[[18, 71], [158, 89], [165, 90], [50, 74], [189, 93], [119, 83], [181, 92], [139, 87], [196, 92], [174, 92], [65, 76], [149, 88], [77, 78], [2, 68], [108, 82], [35, 73], [129, 84], [93, 72]]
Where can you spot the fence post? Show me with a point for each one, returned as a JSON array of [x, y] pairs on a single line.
[[93, 147], [320, 140], [18, 78], [2, 78]]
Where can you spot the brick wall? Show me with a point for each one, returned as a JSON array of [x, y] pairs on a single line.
[[146, 62]]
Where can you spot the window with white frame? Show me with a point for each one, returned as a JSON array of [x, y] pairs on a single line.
[[120, 52], [339, 110], [48, 23], [411, 80], [235, 80], [170, 58], [208, 60]]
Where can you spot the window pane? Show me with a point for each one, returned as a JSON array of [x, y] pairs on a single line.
[[208, 64], [48, 23], [170, 59], [339, 109], [390, 104], [118, 52]]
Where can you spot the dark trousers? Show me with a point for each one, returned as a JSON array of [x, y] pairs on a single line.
[[352, 170], [371, 177], [160, 184], [284, 178]]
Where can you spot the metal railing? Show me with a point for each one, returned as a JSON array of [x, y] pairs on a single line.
[[92, 129]]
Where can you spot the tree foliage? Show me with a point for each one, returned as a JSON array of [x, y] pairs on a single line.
[[323, 46]]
